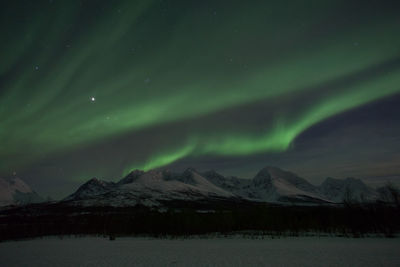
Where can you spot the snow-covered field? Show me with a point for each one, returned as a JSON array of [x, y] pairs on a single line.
[[296, 251]]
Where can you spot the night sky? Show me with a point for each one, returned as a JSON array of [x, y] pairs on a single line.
[[99, 88]]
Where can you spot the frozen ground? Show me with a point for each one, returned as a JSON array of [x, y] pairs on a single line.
[[300, 251]]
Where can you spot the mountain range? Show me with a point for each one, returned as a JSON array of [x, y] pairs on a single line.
[[156, 188]]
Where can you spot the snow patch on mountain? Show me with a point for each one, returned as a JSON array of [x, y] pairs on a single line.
[[14, 191]]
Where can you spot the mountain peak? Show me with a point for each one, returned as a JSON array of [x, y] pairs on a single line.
[[15, 191], [269, 173], [95, 180], [92, 187], [187, 176], [273, 172], [136, 172], [131, 177], [282, 184], [337, 189], [214, 177]]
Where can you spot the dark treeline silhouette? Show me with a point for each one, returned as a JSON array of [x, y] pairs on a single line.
[[353, 220]]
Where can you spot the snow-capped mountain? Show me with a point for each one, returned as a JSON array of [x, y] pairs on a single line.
[[14, 191], [349, 189], [92, 188], [271, 184], [149, 189]]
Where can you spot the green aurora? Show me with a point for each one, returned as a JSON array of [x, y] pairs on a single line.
[[77, 73]]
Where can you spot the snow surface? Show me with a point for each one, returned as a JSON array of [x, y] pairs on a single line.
[[296, 251]]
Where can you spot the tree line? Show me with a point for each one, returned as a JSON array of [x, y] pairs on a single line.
[[185, 219]]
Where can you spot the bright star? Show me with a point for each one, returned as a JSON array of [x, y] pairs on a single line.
[[93, 99]]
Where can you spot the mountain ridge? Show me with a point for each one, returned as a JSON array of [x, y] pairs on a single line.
[[270, 184]]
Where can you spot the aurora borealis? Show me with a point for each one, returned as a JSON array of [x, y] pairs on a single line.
[[103, 87]]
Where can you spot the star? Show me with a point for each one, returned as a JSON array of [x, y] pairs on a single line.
[[92, 99]]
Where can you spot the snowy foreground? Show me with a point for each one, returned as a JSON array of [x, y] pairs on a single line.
[[296, 251]]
